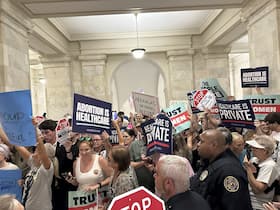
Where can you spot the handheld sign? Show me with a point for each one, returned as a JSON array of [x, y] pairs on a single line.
[[236, 113], [145, 104], [190, 96], [15, 117], [114, 138], [179, 116], [63, 130], [137, 199], [161, 141], [255, 77], [204, 99], [9, 182], [214, 86], [264, 104], [147, 128], [91, 115], [80, 200]]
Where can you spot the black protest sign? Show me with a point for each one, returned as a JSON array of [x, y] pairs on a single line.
[[91, 115], [255, 77], [161, 140], [236, 113]]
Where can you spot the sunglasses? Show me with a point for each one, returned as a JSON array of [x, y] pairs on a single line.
[[86, 138]]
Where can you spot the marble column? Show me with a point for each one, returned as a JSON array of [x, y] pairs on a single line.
[[94, 76], [180, 73], [38, 85], [59, 93], [14, 62], [212, 62], [263, 25]]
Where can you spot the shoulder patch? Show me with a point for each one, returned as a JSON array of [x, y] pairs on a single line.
[[231, 184]]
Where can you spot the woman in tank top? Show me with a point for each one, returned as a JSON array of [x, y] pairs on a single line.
[[91, 171]]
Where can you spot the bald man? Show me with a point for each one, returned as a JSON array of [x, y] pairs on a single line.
[[221, 180]]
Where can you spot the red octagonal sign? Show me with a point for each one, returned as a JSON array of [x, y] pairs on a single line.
[[137, 199]]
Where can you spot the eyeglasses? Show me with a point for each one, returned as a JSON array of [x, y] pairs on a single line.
[[85, 138], [96, 139]]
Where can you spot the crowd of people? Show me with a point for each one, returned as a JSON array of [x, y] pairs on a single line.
[[211, 167]]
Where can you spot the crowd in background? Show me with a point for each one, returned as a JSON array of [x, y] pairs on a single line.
[[212, 167]]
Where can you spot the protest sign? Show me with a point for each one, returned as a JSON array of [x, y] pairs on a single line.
[[63, 130], [204, 99], [190, 95], [145, 104], [214, 86], [114, 138], [264, 104], [147, 129], [15, 117], [161, 140], [81, 200], [255, 77], [179, 116], [91, 115], [9, 182], [214, 110], [236, 113]]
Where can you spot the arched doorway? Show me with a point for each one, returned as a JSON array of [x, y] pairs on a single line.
[[136, 75]]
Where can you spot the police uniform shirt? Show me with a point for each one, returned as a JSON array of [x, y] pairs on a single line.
[[223, 183], [187, 200]]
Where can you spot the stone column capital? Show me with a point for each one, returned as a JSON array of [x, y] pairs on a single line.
[[93, 60], [58, 61], [215, 52], [176, 55]]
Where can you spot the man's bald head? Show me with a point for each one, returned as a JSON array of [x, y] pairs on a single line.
[[215, 136], [212, 144]]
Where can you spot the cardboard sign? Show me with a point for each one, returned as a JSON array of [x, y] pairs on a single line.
[[179, 116], [236, 114], [137, 199], [255, 77], [145, 104], [9, 183], [161, 140], [63, 130], [80, 200], [91, 115], [204, 99], [264, 104], [15, 117], [214, 86]]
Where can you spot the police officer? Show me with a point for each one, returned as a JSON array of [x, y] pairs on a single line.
[[221, 180]]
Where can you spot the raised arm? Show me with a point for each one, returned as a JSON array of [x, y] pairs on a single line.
[[117, 127], [24, 153]]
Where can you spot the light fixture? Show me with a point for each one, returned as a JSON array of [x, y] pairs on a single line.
[[42, 81], [137, 52]]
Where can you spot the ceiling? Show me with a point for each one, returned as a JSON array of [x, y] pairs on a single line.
[[105, 19], [124, 25]]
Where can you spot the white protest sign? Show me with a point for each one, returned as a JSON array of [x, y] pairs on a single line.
[[204, 99], [145, 104], [63, 130]]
